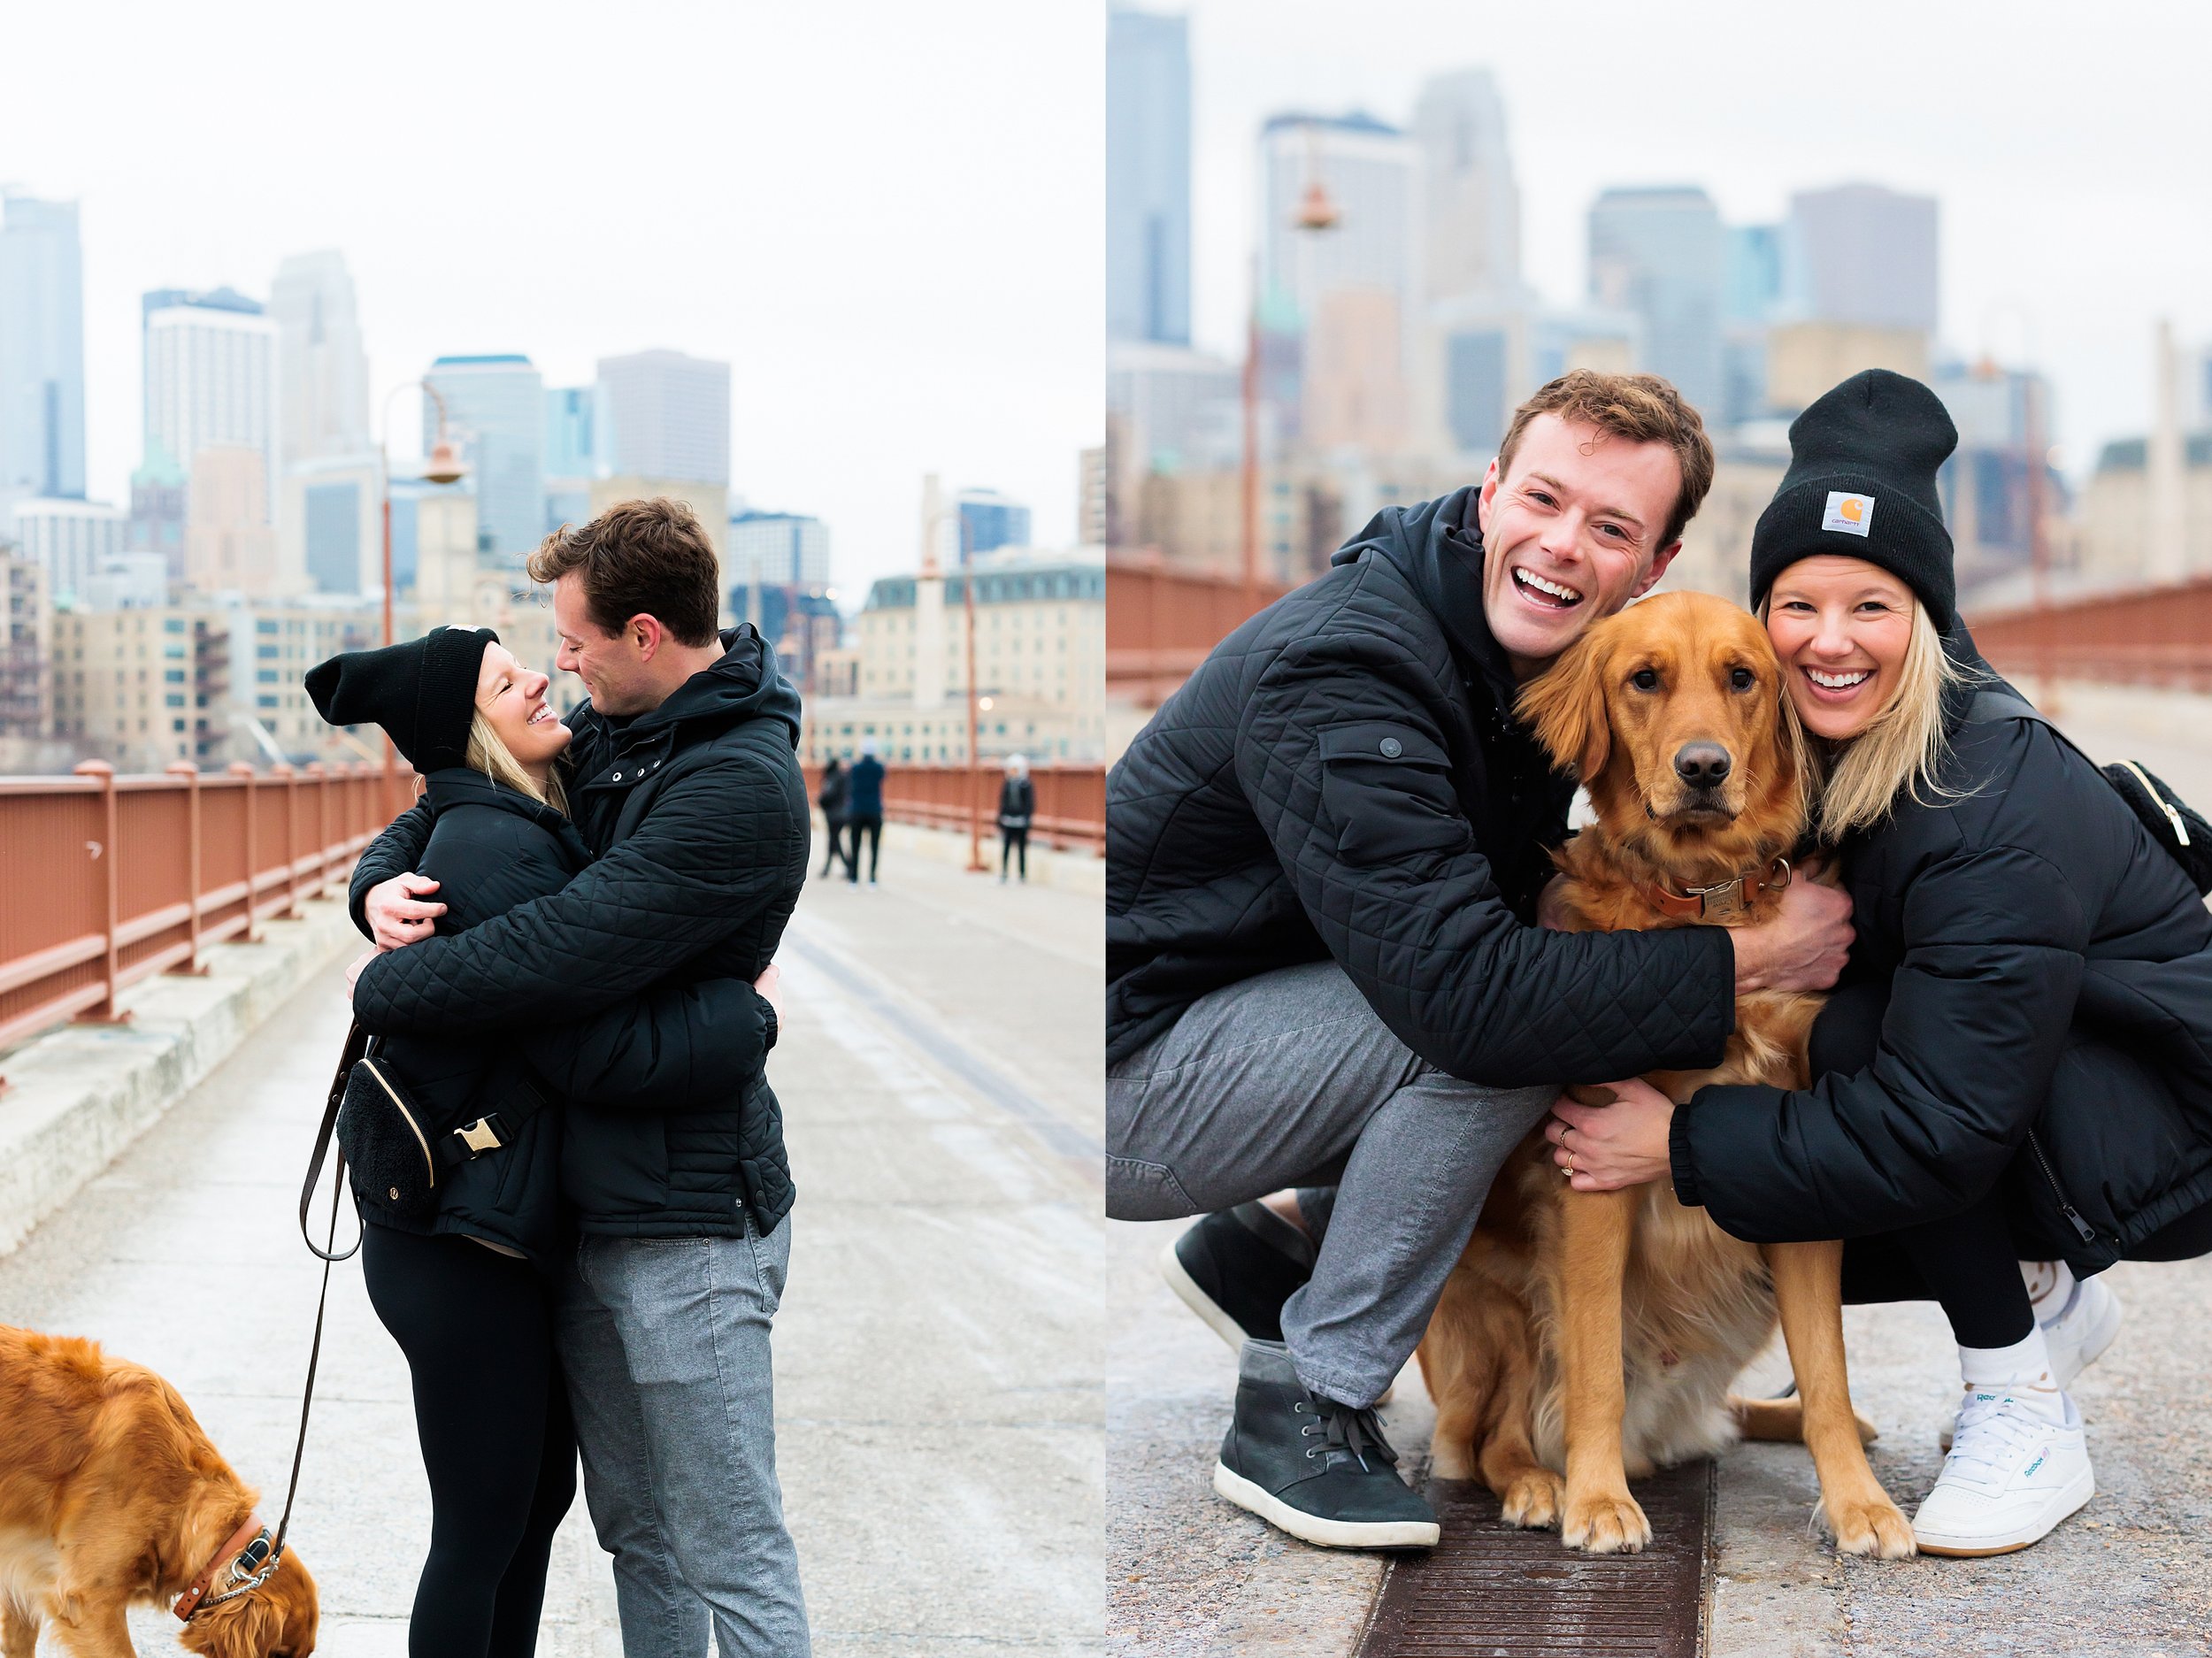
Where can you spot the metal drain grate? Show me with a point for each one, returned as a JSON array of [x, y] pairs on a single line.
[[1491, 1591]]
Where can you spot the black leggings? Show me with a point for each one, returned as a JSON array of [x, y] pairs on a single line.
[[1967, 1263], [497, 1440], [1013, 843], [836, 846]]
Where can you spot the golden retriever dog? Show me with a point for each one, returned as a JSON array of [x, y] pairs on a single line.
[[1595, 1334], [110, 1494]]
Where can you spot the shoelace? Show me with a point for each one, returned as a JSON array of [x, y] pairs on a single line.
[[1354, 1432], [1993, 1436]]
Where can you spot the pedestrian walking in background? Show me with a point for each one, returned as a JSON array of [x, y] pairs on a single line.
[[863, 805], [835, 792], [1017, 805]]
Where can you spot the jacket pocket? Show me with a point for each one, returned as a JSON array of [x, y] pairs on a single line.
[[1386, 792]]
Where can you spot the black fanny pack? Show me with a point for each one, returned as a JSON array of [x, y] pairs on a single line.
[[2180, 831], [396, 1157], [387, 1141]]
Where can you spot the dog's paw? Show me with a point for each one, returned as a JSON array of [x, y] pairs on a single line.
[[1533, 1499], [1871, 1525], [1605, 1525]]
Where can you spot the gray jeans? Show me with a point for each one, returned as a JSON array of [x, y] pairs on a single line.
[[1290, 1079], [665, 1341]]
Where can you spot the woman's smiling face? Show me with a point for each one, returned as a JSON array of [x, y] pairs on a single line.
[[511, 698], [1841, 626]]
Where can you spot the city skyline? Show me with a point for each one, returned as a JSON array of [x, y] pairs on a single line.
[[659, 233], [2034, 227]]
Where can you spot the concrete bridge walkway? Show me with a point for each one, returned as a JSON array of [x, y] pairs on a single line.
[[938, 1353]]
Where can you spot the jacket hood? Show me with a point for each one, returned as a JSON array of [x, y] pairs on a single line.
[[745, 684], [1437, 547]]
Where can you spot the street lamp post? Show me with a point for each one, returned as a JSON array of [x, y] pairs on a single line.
[[976, 865], [1316, 212], [444, 467]]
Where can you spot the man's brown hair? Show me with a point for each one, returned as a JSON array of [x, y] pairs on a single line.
[[640, 558], [1643, 409]]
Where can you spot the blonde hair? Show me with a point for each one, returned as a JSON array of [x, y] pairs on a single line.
[[1857, 783], [496, 760]]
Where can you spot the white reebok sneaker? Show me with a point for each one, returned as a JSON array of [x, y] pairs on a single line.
[[2011, 1475], [2076, 1337], [2086, 1329]]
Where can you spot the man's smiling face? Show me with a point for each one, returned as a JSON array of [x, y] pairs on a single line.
[[1570, 534]]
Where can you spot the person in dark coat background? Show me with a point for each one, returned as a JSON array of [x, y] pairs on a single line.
[[466, 1289], [865, 805], [836, 790], [1017, 805], [2013, 1087], [1324, 858]]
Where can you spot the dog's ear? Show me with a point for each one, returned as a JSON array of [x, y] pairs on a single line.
[[1565, 707]]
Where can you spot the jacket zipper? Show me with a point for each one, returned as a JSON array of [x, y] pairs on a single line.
[[2181, 829], [2088, 1233]]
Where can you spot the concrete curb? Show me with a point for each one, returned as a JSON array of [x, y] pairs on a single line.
[[78, 1096]]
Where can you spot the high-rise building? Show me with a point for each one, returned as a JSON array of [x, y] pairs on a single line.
[[1866, 254], [1473, 207], [1348, 291], [666, 414], [27, 649], [323, 372], [571, 448], [496, 411], [229, 546], [1148, 177], [1090, 496], [986, 521], [1659, 253], [572, 453], [69, 540], [776, 549], [41, 351], [210, 382], [332, 539]]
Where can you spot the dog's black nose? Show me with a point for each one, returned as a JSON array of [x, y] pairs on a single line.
[[1701, 764]]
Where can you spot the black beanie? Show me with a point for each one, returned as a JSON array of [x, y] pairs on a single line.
[[1862, 482], [423, 693]]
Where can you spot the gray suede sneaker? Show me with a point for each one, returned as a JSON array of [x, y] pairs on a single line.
[[1317, 1469]]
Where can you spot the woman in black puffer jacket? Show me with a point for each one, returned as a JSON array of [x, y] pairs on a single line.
[[2013, 1084], [465, 1287]]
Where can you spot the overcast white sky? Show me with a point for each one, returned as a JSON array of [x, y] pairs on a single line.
[[886, 216], [2070, 146]]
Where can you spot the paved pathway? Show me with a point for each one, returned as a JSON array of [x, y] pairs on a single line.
[[1190, 1576], [938, 1353]]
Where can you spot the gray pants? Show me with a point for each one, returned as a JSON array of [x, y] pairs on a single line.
[[665, 1341], [1290, 1079]]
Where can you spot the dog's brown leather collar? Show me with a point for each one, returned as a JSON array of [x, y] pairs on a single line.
[[188, 1602], [1725, 899]]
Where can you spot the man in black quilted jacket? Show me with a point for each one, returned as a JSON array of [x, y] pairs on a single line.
[[684, 780], [1324, 854]]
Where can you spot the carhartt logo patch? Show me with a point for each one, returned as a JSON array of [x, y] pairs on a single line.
[[1854, 515]]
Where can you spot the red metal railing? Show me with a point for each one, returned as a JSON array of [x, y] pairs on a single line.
[[1160, 624], [2160, 636], [1070, 801], [105, 880]]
